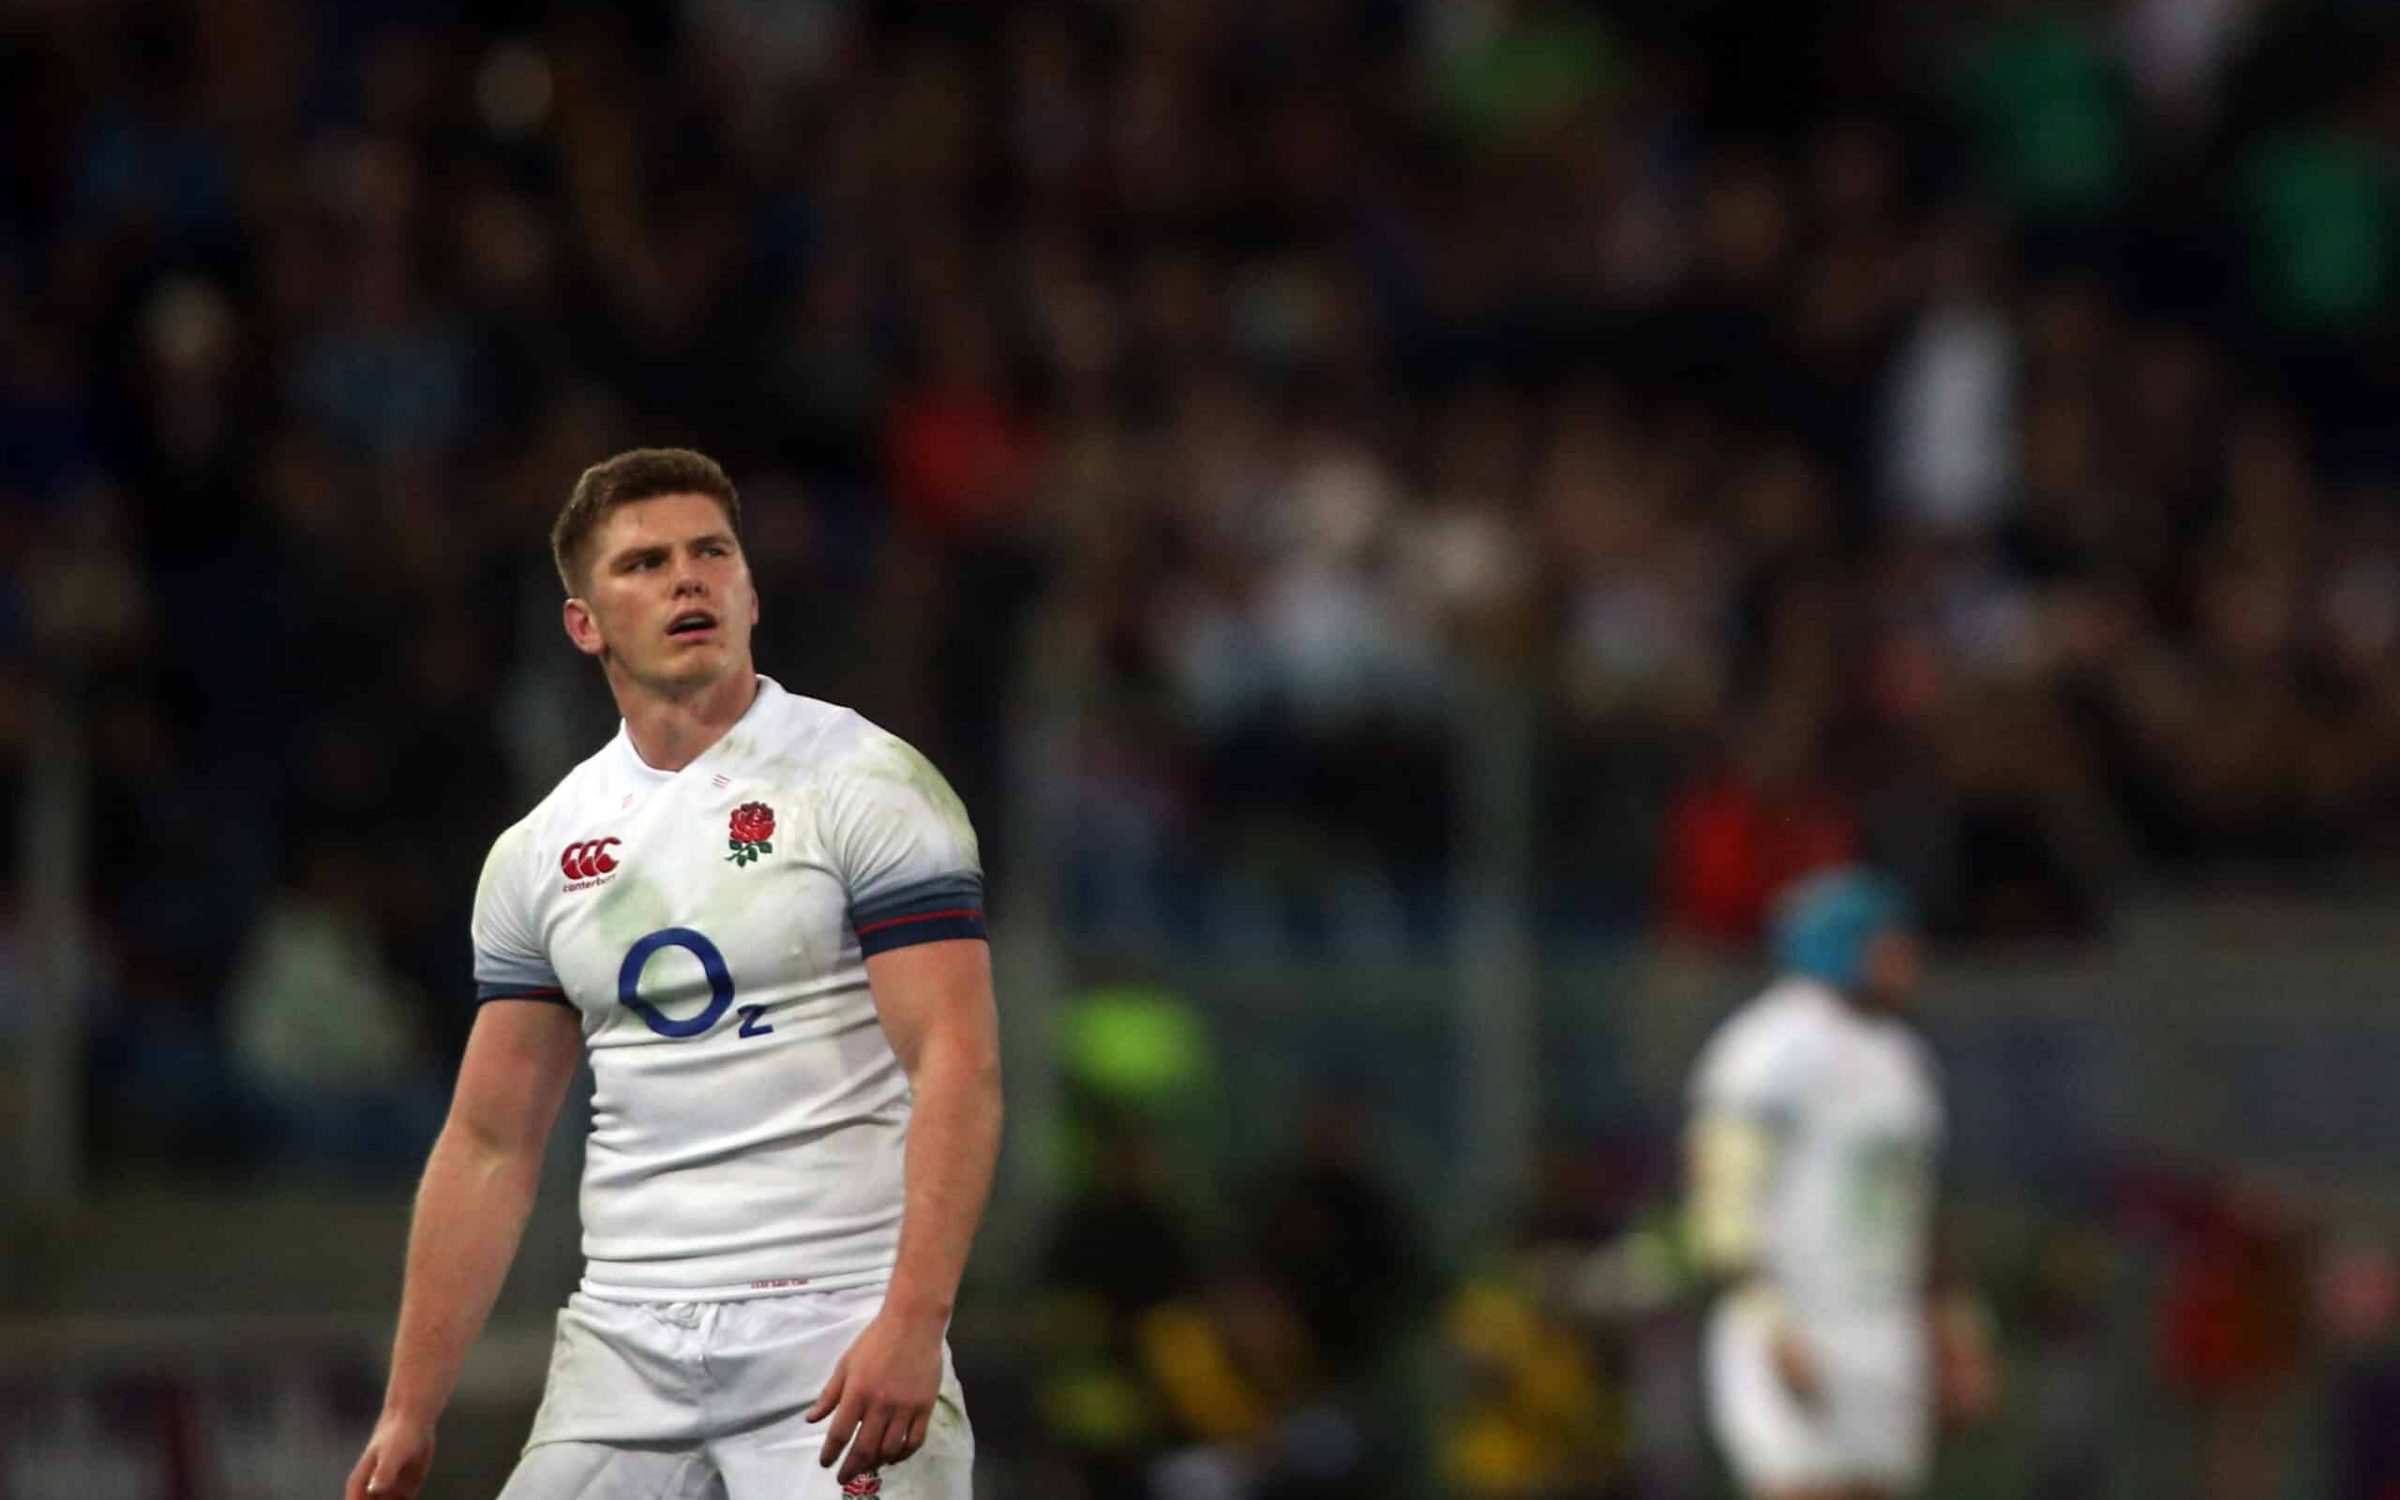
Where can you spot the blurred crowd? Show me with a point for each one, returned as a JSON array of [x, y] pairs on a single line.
[[1943, 434]]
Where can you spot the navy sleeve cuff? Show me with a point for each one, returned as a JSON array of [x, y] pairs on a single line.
[[929, 911], [486, 993]]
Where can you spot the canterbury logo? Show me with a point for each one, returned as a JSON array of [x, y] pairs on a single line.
[[588, 859]]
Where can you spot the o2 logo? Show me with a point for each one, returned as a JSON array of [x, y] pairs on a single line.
[[720, 987]]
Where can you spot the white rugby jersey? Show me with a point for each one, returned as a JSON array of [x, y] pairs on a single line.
[[1854, 1104], [710, 927]]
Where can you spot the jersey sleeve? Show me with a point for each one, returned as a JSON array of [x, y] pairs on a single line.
[[509, 961], [1752, 1070], [903, 846]]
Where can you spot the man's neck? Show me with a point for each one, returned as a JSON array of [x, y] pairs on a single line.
[[670, 732], [1870, 1005]]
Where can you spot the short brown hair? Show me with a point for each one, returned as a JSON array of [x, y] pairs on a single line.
[[636, 474]]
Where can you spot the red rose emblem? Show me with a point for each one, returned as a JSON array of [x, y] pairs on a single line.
[[864, 1484], [753, 823]]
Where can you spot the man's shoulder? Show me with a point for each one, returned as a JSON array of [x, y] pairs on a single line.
[[817, 738], [1785, 1010], [814, 726], [1766, 1039]]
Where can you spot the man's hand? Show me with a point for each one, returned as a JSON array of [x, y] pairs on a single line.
[[394, 1465], [1966, 1367], [1794, 1366], [881, 1395]]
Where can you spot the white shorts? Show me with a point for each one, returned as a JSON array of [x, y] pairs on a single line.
[[1872, 1421], [705, 1401]]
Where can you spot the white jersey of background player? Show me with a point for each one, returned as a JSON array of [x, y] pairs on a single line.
[[761, 917], [1817, 1120]]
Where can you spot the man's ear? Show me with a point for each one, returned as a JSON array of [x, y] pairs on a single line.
[[583, 629]]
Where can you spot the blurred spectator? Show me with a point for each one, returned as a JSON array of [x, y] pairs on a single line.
[[1137, 1054], [2176, 52], [2358, 1295], [1742, 831], [2234, 1320], [1512, 68], [1339, 1243], [1533, 1421], [2050, 104], [1120, 1250], [2319, 201], [2064, 1364], [323, 1034], [1950, 458], [1532, 1413]]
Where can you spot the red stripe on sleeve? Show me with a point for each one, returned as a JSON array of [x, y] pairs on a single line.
[[923, 916]]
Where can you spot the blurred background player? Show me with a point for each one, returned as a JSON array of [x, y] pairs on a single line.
[[1816, 1120], [762, 917]]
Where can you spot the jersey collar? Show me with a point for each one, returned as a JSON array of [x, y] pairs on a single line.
[[630, 762]]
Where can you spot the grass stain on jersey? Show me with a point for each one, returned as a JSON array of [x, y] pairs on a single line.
[[631, 910], [902, 765]]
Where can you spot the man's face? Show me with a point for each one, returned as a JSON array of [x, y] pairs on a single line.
[[1895, 966], [667, 598]]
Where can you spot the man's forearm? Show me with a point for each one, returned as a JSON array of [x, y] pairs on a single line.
[[471, 1212], [953, 1141], [1730, 1159]]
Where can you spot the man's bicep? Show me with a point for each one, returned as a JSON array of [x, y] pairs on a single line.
[[520, 1058], [933, 991]]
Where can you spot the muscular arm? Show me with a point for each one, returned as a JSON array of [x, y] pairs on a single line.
[[935, 1001], [1731, 1158], [1732, 1165], [471, 1209], [1967, 1373]]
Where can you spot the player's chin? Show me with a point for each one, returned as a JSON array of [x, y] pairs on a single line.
[[691, 664]]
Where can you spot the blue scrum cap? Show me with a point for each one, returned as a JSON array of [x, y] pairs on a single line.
[[1825, 923]]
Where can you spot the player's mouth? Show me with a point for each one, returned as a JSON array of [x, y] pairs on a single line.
[[692, 625]]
